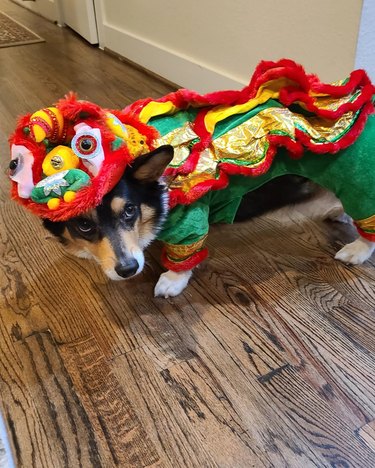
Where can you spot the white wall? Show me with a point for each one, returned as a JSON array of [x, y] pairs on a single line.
[[49, 9], [366, 41], [212, 44]]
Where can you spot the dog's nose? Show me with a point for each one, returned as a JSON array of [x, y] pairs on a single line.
[[125, 270]]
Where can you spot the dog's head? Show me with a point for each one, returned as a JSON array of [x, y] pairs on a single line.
[[116, 232], [91, 174]]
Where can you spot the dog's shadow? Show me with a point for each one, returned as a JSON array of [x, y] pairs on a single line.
[[244, 259]]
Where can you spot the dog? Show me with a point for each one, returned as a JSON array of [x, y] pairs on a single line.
[[116, 233], [107, 183]]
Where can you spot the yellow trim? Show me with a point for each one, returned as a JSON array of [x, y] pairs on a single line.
[[153, 109], [366, 223], [181, 252], [269, 90]]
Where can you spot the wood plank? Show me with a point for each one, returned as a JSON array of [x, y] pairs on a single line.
[[48, 425], [312, 415], [267, 359], [367, 433], [172, 421], [103, 395], [64, 407], [240, 422], [55, 276]]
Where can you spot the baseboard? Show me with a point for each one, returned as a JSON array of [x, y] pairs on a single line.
[[141, 68], [165, 63]]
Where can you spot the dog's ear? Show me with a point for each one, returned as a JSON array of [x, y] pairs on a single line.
[[151, 166], [54, 227]]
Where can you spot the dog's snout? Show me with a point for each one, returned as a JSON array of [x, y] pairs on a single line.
[[125, 270]]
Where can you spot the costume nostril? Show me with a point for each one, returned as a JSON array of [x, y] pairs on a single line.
[[125, 270]]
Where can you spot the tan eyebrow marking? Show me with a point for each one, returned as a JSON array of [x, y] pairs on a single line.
[[117, 205]]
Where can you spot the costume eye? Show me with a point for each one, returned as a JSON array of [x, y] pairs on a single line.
[[85, 145], [14, 166], [129, 211]]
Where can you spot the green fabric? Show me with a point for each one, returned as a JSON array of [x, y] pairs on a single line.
[[166, 123], [350, 174], [56, 185], [186, 224]]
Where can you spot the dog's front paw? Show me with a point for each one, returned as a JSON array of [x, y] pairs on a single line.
[[356, 252], [171, 283]]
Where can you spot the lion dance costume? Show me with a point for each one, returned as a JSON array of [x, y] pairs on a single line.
[[64, 159]]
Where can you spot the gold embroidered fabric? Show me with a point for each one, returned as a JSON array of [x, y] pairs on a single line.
[[247, 143], [180, 138], [367, 224], [182, 252]]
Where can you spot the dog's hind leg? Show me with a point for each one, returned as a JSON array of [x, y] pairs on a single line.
[[356, 252], [172, 283]]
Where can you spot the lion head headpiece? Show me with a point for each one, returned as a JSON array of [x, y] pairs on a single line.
[[65, 158]]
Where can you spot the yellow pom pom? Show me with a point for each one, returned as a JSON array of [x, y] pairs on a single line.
[[69, 196], [59, 159], [53, 203], [47, 123]]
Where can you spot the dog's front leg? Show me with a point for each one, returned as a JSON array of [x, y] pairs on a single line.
[[172, 283], [356, 252]]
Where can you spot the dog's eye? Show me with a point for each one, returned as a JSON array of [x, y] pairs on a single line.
[[129, 211], [85, 226]]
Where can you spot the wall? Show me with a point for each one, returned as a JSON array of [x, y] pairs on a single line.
[[49, 9], [366, 41], [213, 44]]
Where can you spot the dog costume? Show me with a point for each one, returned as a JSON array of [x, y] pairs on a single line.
[[64, 159]]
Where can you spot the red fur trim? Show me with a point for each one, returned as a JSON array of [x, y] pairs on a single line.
[[234, 169], [88, 197], [295, 149], [299, 89], [185, 265], [37, 149], [289, 96], [178, 197], [71, 108], [367, 235]]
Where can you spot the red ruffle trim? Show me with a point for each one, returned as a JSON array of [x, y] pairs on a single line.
[[367, 235], [298, 89]]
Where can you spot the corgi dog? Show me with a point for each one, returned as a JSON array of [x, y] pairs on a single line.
[[109, 182], [116, 233]]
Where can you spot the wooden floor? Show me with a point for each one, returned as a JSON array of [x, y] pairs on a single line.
[[267, 359]]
